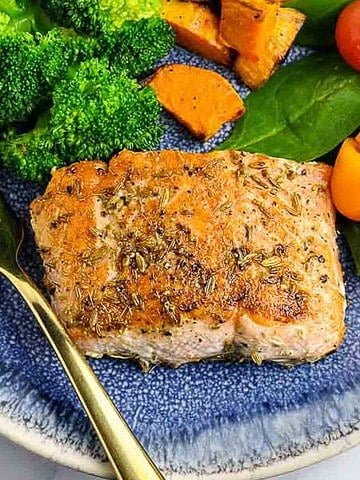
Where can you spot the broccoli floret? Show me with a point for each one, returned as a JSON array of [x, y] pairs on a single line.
[[30, 155], [20, 88], [95, 113], [32, 65], [98, 112], [60, 48], [94, 17], [137, 46]]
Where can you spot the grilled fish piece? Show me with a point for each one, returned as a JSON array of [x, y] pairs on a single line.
[[172, 257]]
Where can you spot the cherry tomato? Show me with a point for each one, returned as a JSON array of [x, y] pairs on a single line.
[[345, 182], [347, 34]]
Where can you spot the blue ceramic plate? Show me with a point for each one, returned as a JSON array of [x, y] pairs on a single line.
[[217, 419]]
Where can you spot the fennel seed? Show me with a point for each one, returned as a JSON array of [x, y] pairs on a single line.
[[223, 206], [257, 358], [262, 208], [272, 181], [78, 188], [78, 292], [210, 285], [164, 198], [93, 319], [272, 262], [259, 182], [245, 261], [140, 262], [259, 165], [295, 208]]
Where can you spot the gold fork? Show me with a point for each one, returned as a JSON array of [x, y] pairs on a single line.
[[127, 457]]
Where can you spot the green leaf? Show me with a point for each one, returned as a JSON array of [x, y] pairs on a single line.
[[321, 20], [303, 112], [351, 230]]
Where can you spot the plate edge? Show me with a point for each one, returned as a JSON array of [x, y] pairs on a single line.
[[51, 450]]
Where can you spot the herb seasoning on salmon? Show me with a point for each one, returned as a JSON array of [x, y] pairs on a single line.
[[172, 257]]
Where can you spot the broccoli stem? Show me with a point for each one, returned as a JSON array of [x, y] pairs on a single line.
[[42, 23], [11, 9], [26, 18], [42, 121], [32, 154]]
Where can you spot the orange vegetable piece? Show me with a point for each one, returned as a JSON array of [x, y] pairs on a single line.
[[255, 70], [197, 29], [345, 182], [248, 25], [200, 99]]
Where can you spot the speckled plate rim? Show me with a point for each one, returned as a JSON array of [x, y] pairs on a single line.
[[52, 450]]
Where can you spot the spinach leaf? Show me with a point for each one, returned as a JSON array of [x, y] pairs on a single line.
[[351, 230], [321, 20], [304, 111]]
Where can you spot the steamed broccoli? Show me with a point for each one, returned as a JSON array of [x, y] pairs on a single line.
[[20, 87], [80, 58], [94, 17], [59, 49], [31, 155], [95, 113], [137, 46], [31, 65], [98, 111], [31, 59]]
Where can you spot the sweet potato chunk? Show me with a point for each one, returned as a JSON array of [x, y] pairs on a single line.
[[200, 99], [196, 29], [256, 70], [248, 25]]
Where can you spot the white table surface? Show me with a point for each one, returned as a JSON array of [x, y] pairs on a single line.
[[18, 464]]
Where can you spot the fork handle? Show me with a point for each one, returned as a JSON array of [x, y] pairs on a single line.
[[127, 457]]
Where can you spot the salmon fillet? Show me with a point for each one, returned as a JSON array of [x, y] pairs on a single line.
[[172, 257]]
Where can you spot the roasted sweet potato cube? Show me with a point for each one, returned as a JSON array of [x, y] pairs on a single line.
[[197, 29], [248, 25], [200, 99], [254, 71]]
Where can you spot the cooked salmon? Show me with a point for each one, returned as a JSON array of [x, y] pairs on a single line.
[[173, 257]]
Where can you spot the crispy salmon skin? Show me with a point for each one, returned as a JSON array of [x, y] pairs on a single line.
[[173, 257]]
